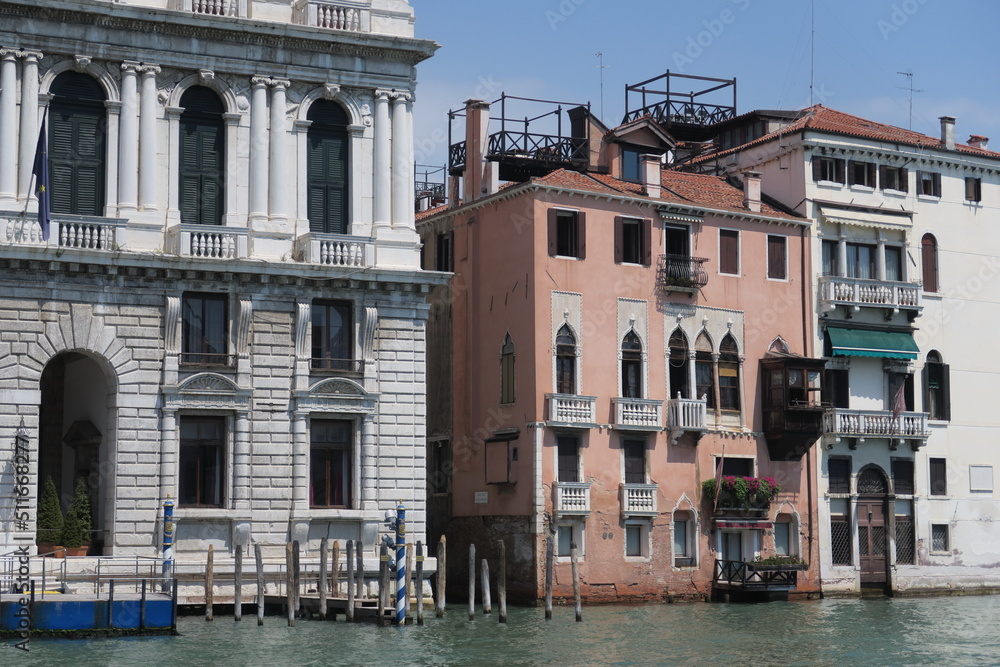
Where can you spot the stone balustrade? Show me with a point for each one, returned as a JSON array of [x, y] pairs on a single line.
[[572, 498], [638, 413], [638, 500]]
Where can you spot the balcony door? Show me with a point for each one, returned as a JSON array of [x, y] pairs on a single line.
[[677, 241], [732, 546], [872, 527]]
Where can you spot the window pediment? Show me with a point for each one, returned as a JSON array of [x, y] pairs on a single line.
[[207, 390]]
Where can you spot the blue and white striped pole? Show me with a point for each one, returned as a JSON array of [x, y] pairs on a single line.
[[400, 564], [168, 540]]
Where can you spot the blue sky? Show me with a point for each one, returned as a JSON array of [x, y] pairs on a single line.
[[546, 48]]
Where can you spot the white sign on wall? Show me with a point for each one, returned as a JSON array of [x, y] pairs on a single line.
[[482, 497]]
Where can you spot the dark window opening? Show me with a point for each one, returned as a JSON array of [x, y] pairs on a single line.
[[635, 461], [330, 463], [569, 458], [973, 189], [862, 173], [938, 477], [894, 178], [678, 365], [202, 157], [929, 262], [929, 183], [566, 233], [828, 169], [507, 370], [332, 340], [831, 258], [77, 145], [328, 171], [861, 261], [204, 320], [565, 361], [729, 374], [902, 476], [631, 165], [200, 475], [729, 251], [631, 366], [839, 475], [735, 467], [777, 253], [444, 256], [937, 390]]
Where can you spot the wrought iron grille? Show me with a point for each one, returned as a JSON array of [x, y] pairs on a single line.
[[905, 540], [840, 537], [872, 481], [862, 540], [681, 271], [939, 537], [878, 540]]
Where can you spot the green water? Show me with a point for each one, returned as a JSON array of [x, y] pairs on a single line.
[[935, 631]]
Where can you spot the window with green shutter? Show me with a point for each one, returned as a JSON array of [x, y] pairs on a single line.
[[77, 145], [202, 157], [328, 168]]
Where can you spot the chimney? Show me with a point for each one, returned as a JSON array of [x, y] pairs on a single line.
[[480, 173], [978, 141], [751, 191], [948, 132], [651, 175]]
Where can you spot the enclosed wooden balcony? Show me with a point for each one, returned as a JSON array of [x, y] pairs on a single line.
[[572, 498], [792, 404]]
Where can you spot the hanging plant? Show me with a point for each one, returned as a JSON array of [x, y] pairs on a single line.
[[745, 493]]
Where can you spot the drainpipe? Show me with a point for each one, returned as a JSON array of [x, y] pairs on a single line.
[[806, 320]]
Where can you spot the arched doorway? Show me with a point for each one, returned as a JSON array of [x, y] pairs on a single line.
[[76, 436], [873, 542]]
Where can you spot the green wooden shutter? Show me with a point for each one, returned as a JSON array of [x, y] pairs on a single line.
[[327, 163], [202, 158]]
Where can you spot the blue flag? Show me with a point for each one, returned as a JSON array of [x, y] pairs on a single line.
[[41, 172]]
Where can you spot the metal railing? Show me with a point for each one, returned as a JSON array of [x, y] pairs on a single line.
[[344, 365], [572, 409], [737, 573], [542, 147], [573, 498], [681, 272], [875, 423], [677, 111], [865, 292]]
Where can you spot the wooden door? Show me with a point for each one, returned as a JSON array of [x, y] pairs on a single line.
[[872, 543]]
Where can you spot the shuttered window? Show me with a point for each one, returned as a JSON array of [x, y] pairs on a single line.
[[937, 392], [729, 251], [77, 145], [327, 168], [776, 258], [928, 255], [202, 157]]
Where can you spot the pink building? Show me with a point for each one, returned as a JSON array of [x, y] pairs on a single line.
[[597, 353]]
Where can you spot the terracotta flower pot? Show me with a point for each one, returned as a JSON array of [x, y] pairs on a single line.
[[77, 551]]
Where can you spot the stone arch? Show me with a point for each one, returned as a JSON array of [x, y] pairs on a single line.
[[333, 93], [704, 335], [112, 92], [779, 346], [869, 471], [208, 383], [679, 330], [788, 507], [338, 386], [225, 93], [729, 335]]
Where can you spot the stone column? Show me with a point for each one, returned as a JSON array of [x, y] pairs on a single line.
[[880, 257], [173, 180], [277, 195], [715, 386], [258, 147], [168, 453], [300, 461], [740, 387], [8, 124], [29, 121], [241, 462], [147, 139], [383, 161], [692, 376], [128, 141], [842, 256], [367, 479], [402, 196]]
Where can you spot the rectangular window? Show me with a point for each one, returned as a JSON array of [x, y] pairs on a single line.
[[831, 257], [862, 173], [735, 467], [729, 385], [861, 260], [937, 390], [894, 263], [894, 178], [637, 540], [928, 183], [204, 320], [840, 532], [939, 538], [938, 477], [330, 462], [439, 466], [905, 534], [777, 255], [680, 539], [567, 236], [569, 458], [631, 167], [973, 189], [838, 388], [633, 239], [839, 475], [729, 251], [200, 475], [635, 461], [782, 539], [902, 476], [828, 169], [981, 478], [332, 342], [568, 535], [704, 382], [444, 255]]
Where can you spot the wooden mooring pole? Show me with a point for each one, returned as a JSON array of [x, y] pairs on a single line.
[[349, 614], [298, 578], [442, 572], [576, 583], [335, 569], [484, 581], [208, 582], [502, 579], [418, 584], [259, 564], [238, 585], [383, 582], [361, 570], [549, 557], [321, 588], [472, 582], [290, 584]]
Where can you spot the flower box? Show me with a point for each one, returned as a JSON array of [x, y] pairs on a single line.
[[742, 493]]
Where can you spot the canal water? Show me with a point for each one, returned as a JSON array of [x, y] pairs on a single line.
[[933, 631]]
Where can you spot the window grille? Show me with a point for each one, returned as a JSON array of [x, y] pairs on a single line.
[[904, 541], [840, 534], [872, 481]]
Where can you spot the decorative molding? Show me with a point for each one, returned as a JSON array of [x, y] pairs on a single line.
[[369, 322], [331, 91], [206, 391], [172, 325], [336, 395], [339, 387], [302, 321], [204, 382], [206, 76], [242, 333], [81, 63]]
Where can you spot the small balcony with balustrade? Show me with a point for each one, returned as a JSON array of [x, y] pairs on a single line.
[[853, 294], [571, 410], [82, 232], [208, 241], [354, 252], [857, 426], [572, 499], [638, 500], [687, 415], [637, 414]]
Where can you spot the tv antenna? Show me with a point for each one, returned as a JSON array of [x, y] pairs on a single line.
[[912, 90], [601, 66]]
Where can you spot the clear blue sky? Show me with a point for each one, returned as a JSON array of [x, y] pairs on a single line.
[[546, 48]]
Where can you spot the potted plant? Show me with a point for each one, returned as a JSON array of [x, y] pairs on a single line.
[[778, 563], [742, 493], [50, 519], [76, 525]]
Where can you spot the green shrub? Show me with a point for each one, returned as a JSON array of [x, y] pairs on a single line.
[[76, 527], [50, 517]]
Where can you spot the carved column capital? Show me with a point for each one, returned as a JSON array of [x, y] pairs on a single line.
[[127, 66], [260, 81]]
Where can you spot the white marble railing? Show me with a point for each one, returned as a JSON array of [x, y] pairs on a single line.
[[572, 409], [216, 7], [573, 497], [687, 414], [862, 292], [638, 499], [353, 17], [71, 232], [875, 423], [638, 412], [90, 235], [208, 241], [336, 250]]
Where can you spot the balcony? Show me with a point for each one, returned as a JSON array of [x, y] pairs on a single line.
[[687, 414], [336, 250], [349, 16], [856, 293], [208, 241], [572, 410], [681, 273], [572, 498], [856, 425], [67, 231], [640, 414], [638, 500], [739, 576], [215, 7]]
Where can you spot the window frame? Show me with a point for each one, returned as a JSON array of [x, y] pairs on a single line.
[[563, 222], [973, 189], [929, 269], [322, 334], [444, 254], [577, 529], [566, 354], [222, 448], [841, 480], [66, 170], [689, 557], [508, 371], [629, 360], [900, 175], [931, 178], [322, 134], [723, 258], [940, 528], [642, 525], [202, 118], [567, 440], [629, 446], [973, 487], [903, 474], [348, 474], [937, 476], [937, 399], [196, 355], [636, 250], [867, 173], [784, 266], [823, 166]]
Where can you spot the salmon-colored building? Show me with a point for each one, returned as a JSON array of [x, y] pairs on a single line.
[[599, 352]]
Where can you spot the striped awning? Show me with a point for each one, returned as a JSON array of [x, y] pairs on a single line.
[[865, 343]]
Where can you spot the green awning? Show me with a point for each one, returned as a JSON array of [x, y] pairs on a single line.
[[863, 343]]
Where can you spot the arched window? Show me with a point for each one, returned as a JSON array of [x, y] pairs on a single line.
[[678, 365], [507, 370], [685, 538], [704, 375], [786, 541], [202, 157], [928, 254], [77, 145], [729, 374], [565, 361], [631, 366], [327, 168], [937, 390]]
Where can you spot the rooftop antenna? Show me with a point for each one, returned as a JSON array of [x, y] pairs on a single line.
[[812, 50], [912, 90], [601, 66]]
